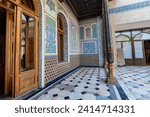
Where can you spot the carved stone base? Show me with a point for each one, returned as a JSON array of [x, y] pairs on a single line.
[[106, 65], [111, 79]]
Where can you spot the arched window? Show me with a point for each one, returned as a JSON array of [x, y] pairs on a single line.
[[138, 44], [82, 32], [74, 41], [94, 30], [88, 33], [123, 41], [62, 35]]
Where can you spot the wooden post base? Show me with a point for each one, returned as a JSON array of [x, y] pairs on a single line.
[[111, 79]]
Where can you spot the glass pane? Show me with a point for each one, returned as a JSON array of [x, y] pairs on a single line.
[[11, 6], [117, 34], [128, 33], [142, 36], [61, 48], [27, 43], [60, 24], [28, 3], [136, 32], [138, 48], [127, 51], [118, 45], [12, 33], [122, 38]]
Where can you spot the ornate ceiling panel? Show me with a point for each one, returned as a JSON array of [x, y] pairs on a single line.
[[84, 9]]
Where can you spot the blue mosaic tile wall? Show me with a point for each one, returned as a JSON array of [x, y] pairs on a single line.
[[94, 30], [89, 47], [81, 32], [74, 40], [130, 7], [66, 35], [50, 36]]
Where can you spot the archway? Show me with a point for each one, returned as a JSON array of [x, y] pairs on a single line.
[[62, 38]]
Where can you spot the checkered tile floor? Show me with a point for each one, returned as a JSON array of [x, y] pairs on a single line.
[[83, 84], [135, 81]]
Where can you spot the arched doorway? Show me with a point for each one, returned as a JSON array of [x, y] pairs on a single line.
[[18, 46]]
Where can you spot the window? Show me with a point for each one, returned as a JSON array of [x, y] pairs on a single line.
[[60, 40], [27, 43], [123, 41], [28, 3], [81, 32], [94, 30], [88, 33], [142, 36], [60, 24]]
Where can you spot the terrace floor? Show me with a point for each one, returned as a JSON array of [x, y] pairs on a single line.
[[88, 83]]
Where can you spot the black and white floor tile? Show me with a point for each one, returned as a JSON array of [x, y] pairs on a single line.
[[135, 81], [87, 83]]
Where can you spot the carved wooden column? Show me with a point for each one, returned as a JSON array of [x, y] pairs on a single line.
[[104, 37], [109, 44]]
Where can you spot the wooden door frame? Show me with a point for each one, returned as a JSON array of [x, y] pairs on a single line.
[[9, 14], [19, 8], [19, 74]]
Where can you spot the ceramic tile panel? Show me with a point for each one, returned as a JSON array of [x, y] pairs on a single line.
[[130, 7], [89, 47], [94, 31], [50, 68], [50, 36], [82, 32], [51, 8]]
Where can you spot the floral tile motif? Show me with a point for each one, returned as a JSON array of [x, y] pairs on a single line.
[[89, 47], [50, 36]]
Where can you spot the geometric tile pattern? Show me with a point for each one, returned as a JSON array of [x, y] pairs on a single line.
[[89, 47], [135, 81], [50, 68], [40, 43], [94, 30], [85, 84], [130, 7]]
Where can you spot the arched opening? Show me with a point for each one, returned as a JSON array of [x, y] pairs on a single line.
[[19, 64], [142, 46], [138, 42], [62, 38], [88, 33], [124, 42]]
